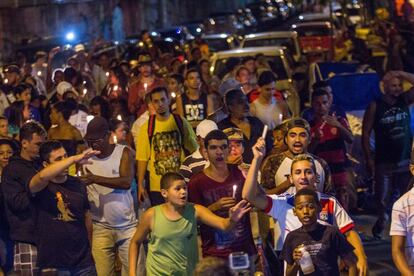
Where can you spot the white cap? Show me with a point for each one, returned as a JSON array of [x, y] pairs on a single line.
[[204, 128], [64, 87], [79, 48]]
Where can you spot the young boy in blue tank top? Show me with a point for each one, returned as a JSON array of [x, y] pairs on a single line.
[[172, 229]]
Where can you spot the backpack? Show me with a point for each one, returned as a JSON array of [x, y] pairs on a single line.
[[178, 120]]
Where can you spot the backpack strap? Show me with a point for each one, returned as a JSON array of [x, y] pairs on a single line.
[[179, 121], [151, 128]]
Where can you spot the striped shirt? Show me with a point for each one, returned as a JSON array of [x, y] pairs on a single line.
[[192, 165], [402, 223]]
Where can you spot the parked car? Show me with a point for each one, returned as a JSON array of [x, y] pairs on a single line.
[[280, 62], [288, 39], [221, 42]]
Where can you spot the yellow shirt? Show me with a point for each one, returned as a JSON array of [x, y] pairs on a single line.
[[166, 152]]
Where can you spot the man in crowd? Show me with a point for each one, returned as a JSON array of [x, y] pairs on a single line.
[[19, 206], [389, 118], [219, 188], [146, 82], [276, 167], [109, 179], [64, 221], [163, 142], [280, 207], [196, 162]]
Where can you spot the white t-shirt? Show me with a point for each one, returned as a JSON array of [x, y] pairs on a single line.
[[79, 121], [270, 115], [402, 223], [280, 207], [140, 121]]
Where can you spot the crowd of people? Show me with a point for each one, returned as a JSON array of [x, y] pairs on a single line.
[[118, 166]]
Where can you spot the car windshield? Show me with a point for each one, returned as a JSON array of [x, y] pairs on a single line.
[[289, 43], [217, 44], [275, 63], [313, 31]]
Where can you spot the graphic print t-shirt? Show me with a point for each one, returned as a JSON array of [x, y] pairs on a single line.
[[62, 238], [165, 154]]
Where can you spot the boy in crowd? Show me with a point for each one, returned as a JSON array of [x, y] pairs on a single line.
[[172, 248], [323, 242]]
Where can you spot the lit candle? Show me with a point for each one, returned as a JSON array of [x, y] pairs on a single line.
[[115, 140], [115, 87], [79, 172], [234, 191], [119, 117], [280, 118], [145, 86], [107, 74], [85, 91], [264, 132], [39, 73], [6, 81], [173, 94]]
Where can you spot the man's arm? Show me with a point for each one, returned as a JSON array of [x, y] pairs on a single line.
[[367, 126], [250, 189], [40, 180], [398, 255], [143, 229], [88, 224], [141, 170], [126, 173], [353, 238]]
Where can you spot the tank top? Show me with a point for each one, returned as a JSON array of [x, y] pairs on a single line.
[[172, 247], [195, 110], [393, 137], [113, 208]]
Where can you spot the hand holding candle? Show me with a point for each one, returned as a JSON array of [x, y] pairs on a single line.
[[264, 132]]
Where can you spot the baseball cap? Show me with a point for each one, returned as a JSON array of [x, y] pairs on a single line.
[[64, 87], [79, 48], [234, 134], [12, 69], [97, 128], [204, 127], [297, 122]]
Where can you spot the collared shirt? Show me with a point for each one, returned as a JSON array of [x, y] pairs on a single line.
[[402, 223]]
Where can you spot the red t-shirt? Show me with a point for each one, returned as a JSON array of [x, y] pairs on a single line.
[[205, 191]]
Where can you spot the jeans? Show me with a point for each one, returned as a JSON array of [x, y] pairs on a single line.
[[105, 241], [391, 182], [85, 271]]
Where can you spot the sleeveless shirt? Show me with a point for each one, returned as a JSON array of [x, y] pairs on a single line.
[[172, 247], [195, 110]]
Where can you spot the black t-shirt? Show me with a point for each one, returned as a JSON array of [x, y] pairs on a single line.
[[61, 234], [324, 244]]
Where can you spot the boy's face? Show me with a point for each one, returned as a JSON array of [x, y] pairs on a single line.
[[303, 175], [297, 140], [321, 105], [217, 151], [176, 193], [306, 209]]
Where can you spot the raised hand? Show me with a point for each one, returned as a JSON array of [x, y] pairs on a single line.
[[83, 158], [239, 210], [259, 149]]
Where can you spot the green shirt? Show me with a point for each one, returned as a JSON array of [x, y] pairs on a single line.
[[172, 247]]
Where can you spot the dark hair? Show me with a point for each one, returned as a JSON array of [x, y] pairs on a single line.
[[16, 113], [69, 73], [319, 92], [191, 70], [21, 87], [179, 78], [30, 128], [64, 108], [114, 124], [159, 89], [320, 84], [212, 266], [168, 178], [307, 192], [99, 100], [47, 147], [4, 118], [248, 58], [216, 134], [231, 95], [266, 78]]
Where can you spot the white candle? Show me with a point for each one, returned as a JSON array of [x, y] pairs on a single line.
[[115, 87], [173, 94], [119, 117], [280, 118], [234, 191], [107, 74], [264, 132], [39, 73], [115, 140], [85, 91], [145, 86]]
